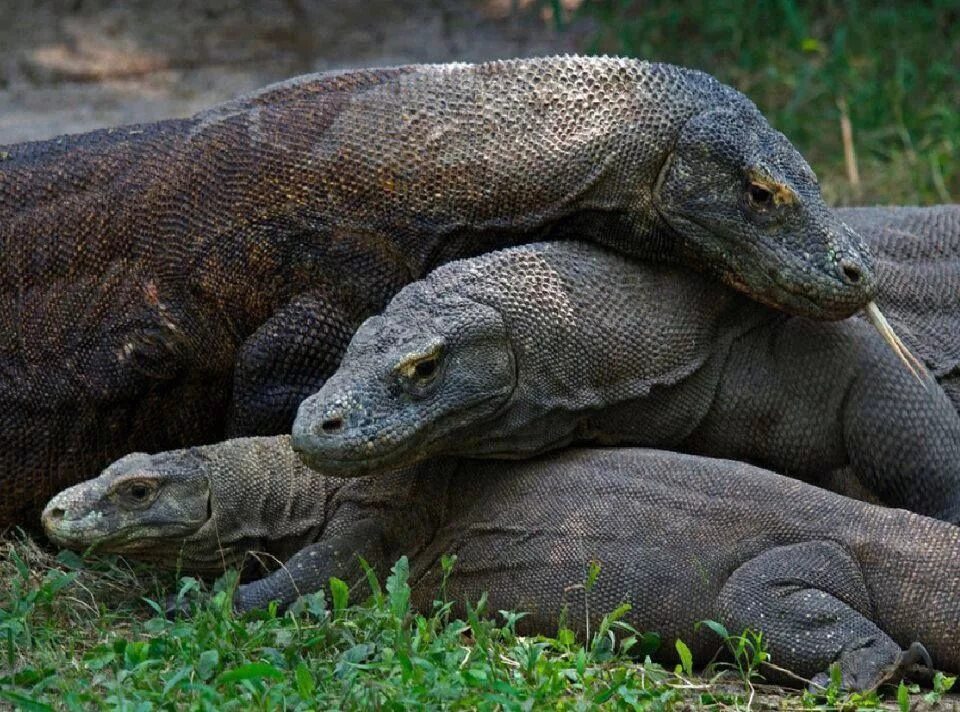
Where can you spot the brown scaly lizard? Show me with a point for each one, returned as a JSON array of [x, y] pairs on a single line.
[[175, 282]]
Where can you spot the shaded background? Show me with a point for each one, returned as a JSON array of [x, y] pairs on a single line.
[[869, 91]]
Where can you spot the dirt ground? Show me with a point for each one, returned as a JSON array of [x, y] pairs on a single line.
[[74, 65]]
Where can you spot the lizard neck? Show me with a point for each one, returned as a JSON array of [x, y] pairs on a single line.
[[262, 495]]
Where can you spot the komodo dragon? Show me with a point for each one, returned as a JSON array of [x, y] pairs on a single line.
[[680, 538], [520, 351], [147, 268]]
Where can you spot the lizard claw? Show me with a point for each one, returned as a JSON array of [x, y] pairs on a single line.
[[819, 683], [243, 601], [914, 655], [914, 663]]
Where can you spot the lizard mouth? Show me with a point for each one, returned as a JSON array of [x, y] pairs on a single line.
[[818, 295], [315, 452], [95, 531], [356, 466], [321, 454]]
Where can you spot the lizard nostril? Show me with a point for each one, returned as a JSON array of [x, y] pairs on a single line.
[[851, 273], [332, 425]]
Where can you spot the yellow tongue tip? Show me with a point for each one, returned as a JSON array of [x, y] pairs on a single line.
[[881, 324]]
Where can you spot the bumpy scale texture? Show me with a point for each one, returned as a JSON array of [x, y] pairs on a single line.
[[541, 345], [147, 269], [680, 538], [917, 251]]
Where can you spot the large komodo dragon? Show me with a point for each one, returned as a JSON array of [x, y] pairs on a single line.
[[680, 538], [146, 269], [520, 351]]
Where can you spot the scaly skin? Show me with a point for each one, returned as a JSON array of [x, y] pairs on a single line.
[[147, 268], [680, 538], [526, 350], [917, 252]]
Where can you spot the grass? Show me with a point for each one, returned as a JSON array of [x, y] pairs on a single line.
[[890, 71], [82, 634]]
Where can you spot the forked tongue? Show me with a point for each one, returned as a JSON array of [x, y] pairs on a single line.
[[881, 324]]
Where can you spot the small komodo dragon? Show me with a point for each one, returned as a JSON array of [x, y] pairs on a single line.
[[680, 538], [172, 283], [528, 349]]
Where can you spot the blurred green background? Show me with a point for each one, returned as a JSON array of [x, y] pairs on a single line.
[[892, 69]]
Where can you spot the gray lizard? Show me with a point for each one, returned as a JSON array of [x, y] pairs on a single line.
[[525, 350], [167, 284], [680, 538]]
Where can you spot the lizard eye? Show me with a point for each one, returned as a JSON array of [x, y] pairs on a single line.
[[759, 196], [416, 373], [426, 369], [136, 492]]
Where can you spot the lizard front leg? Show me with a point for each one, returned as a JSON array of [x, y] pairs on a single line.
[[288, 359], [812, 605], [310, 569], [903, 437]]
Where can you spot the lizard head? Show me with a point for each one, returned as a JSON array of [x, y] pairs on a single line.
[[412, 380], [146, 505], [749, 207]]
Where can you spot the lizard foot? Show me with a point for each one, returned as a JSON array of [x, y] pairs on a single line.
[[862, 669]]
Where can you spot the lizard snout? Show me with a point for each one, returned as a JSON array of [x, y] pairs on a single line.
[[60, 521], [331, 425], [323, 420], [323, 428], [51, 516], [850, 272], [336, 435]]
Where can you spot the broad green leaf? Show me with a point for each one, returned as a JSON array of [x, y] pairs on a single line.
[[566, 637], [181, 674], [717, 628], [593, 573], [903, 697], [686, 657], [836, 677], [371, 575], [340, 593], [250, 671], [23, 702], [943, 683], [305, 684], [398, 589], [612, 617], [99, 659], [649, 644], [207, 664]]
